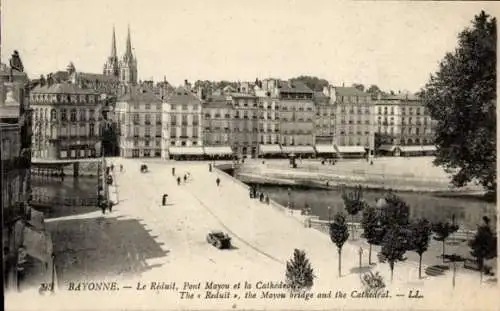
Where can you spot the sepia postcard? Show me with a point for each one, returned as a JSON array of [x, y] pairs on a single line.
[[248, 155]]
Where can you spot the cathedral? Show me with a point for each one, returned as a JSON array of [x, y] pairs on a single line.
[[125, 70]]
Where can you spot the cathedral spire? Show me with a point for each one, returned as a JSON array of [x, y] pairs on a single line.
[[113, 44], [128, 51]]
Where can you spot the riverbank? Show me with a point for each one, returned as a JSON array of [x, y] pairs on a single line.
[[406, 174]]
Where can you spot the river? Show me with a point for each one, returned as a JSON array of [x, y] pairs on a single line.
[[435, 207]]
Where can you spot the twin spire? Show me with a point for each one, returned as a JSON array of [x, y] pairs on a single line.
[[128, 48]]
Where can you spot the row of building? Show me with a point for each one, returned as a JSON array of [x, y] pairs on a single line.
[[272, 117], [279, 118]]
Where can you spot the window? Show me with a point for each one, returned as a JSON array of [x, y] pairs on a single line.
[[148, 119], [173, 120], [91, 114], [136, 118], [184, 120], [91, 130], [148, 106], [195, 107], [184, 107], [53, 115], [147, 131], [73, 115], [158, 131], [183, 132], [196, 120]]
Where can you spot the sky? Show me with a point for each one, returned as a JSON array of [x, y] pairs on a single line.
[[395, 45]]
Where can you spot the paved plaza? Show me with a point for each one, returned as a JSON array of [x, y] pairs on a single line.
[[141, 241]]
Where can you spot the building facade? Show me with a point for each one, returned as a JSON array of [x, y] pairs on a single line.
[[181, 125], [67, 121], [245, 124], [139, 123], [218, 116], [354, 112], [23, 230], [405, 123]]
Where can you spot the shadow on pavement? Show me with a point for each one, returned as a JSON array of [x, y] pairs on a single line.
[[57, 211], [94, 248], [363, 269]]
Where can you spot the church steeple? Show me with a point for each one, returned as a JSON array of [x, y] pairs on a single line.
[[128, 64], [111, 67], [128, 51], [113, 44]]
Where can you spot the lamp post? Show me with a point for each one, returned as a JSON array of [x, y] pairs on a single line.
[[360, 252]]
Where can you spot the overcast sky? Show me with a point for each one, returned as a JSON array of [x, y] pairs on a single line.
[[395, 45]]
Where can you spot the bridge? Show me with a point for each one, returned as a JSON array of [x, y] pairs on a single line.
[[50, 168]]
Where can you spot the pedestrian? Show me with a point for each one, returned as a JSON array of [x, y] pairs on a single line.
[[210, 167], [164, 200], [173, 171], [121, 168], [261, 198], [185, 178], [112, 166], [103, 207], [217, 181], [178, 181], [110, 206], [267, 199]]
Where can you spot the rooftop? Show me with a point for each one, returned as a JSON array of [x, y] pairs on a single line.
[[293, 87], [139, 94], [61, 88], [349, 91], [182, 96]]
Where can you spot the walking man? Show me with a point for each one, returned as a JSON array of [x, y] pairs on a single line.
[[217, 181], [121, 168], [210, 167], [185, 178], [178, 181], [173, 171]]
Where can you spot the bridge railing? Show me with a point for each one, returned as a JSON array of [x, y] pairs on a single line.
[[41, 199]]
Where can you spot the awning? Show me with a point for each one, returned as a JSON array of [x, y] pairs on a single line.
[[269, 149], [411, 148], [350, 149], [37, 244], [429, 148], [325, 149], [297, 149], [185, 150], [218, 150], [389, 148]]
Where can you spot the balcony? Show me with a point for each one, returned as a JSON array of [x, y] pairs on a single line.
[[147, 122]]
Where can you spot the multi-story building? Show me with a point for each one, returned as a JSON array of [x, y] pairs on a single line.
[[138, 113], [23, 230], [406, 124], [245, 124], [296, 115], [354, 110], [182, 126], [325, 121], [218, 113], [269, 124], [67, 121]]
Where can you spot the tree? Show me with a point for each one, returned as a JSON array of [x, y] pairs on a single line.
[[339, 235], [394, 246], [314, 83], [484, 244], [299, 273], [421, 232], [370, 226], [353, 203], [374, 90], [359, 86], [373, 282], [443, 230], [461, 96]]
